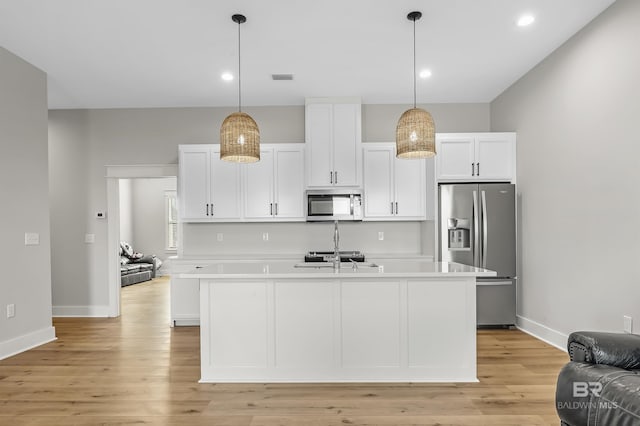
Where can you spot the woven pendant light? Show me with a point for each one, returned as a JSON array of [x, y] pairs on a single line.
[[239, 134], [416, 131]]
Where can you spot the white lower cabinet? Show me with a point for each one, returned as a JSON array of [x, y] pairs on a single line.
[[394, 189], [184, 294], [326, 330]]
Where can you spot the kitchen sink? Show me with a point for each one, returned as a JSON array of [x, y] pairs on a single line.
[[330, 265]]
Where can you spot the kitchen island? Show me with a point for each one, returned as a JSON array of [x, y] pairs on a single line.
[[391, 321]]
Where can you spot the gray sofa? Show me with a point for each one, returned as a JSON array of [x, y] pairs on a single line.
[[136, 267], [601, 383]]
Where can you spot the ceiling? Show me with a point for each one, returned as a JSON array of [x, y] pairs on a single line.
[[171, 53]]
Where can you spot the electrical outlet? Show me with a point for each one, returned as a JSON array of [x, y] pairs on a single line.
[[89, 238], [31, 239], [11, 310], [628, 324], [265, 236], [380, 236], [220, 236]]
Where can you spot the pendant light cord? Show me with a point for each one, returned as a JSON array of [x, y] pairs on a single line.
[[414, 62], [239, 79]]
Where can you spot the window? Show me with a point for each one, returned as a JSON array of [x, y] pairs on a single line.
[[171, 220]]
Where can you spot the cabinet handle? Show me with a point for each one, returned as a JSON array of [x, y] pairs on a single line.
[[396, 207], [473, 169], [276, 209], [336, 177], [271, 209], [330, 177], [477, 169], [207, 209], [392, 207], [211, 207]]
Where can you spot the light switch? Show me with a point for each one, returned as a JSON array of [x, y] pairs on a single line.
[[31, 239], [89, 238]]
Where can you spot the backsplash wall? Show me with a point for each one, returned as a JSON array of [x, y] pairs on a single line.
[[200, 239]]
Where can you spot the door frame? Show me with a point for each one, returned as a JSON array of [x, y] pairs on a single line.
[[114, 174]]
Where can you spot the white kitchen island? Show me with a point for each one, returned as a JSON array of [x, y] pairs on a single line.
[[399, 321]]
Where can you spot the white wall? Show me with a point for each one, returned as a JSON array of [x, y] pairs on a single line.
[[149, 215], [576, 115], [126, 211], [152, 136], [24, 190]]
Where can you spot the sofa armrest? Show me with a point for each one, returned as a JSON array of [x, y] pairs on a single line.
[[616, 349]]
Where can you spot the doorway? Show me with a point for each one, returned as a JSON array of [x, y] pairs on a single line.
[[114, 176]]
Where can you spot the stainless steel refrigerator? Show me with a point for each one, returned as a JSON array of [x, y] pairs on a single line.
[[478, 227]]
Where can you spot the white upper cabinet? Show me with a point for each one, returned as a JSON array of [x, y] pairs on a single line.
[[213, 190], [209, 187], [225, 189], [333, 142], [289, 183], [195, 182], [475, 156], [274, 187], [394, 189]]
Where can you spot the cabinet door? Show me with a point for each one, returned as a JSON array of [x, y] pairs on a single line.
[[289, 183], [258, 187], [346, 144], [225, 188], [319, 138], [195, 164], [494, 156], [410, 189], [455, 158], [378, 185]]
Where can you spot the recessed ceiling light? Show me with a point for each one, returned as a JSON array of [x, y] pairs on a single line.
[[227, 76], [525, 20], [425, 74]]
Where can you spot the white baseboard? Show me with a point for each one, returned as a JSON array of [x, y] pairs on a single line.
[[542, 332], [28, 341], [81, 311]]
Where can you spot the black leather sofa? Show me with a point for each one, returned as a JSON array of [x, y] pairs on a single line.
[[136, 267], [601, 383], [137, 270]]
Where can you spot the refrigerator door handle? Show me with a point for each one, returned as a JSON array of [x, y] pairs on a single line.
[[485, 234], [476, 230]]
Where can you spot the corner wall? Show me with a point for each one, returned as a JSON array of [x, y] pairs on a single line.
[[576, 115], [24, 190]]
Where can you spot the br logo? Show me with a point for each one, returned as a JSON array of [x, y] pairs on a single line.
[[582, 389]]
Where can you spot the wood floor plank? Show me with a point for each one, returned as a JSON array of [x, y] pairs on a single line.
[[137, 370]]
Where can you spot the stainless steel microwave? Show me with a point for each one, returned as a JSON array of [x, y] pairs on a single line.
[[334, 204]]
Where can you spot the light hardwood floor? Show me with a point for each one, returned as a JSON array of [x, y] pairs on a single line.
[[137, 370]]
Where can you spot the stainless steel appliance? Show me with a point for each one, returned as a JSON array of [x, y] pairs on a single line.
[[332, 205], [477, 227]]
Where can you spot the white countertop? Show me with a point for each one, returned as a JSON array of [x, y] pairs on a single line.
[[266, 269]]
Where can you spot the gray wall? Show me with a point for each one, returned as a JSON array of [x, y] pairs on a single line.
[[576, 115], [148, 215], [152, 136], [24, 190], [126, 211]]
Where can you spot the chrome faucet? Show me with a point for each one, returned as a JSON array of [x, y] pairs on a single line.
[[336, 248]]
